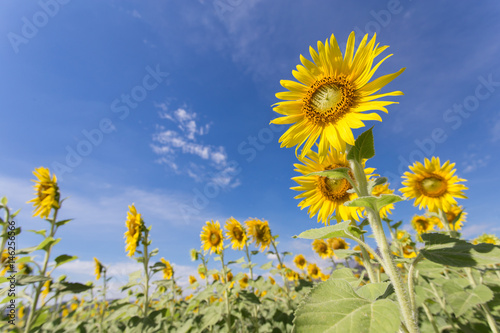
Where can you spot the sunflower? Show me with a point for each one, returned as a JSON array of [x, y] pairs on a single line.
[[243, 282], [291, 275], [260, 233], [324, 277], [403, 236], [134, 225], [168, 271], [192, 279], [422, 224], [212, 238], [409, 251], [201, 272], [98, 268], [487, 238], [433, 185], [272, 280], [46, 289], [451, 215], [332, 96], [337, 244], [313, 271], [46, 191], [236, 233], [321, 248], [300, 261], [323, 195], [216, 277], [384, 189], [4, 262]]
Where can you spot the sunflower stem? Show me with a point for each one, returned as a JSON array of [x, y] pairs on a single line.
[[226, 293], [429, 315], [146, 272], [446, 225], [249, 261], [285, 282]]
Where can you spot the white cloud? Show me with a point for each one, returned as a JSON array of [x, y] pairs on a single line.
[[474, 161]]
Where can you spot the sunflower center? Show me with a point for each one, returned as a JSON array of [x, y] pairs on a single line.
[[337, 245], [433, 186], [322, 248], [214, 239], [450, 216], [328, 100], [238, 234], [424, 224], [334, 189]]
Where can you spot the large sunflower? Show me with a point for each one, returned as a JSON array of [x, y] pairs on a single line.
[[134, 230], [332, 95], [211, 237], [236, 233], [433, 185], [323, 195], [46, 191], [321, 248], [260, 233]]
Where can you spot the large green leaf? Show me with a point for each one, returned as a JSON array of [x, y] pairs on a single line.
[[373, 291], [363, 147], [334, 307], [462, 301], [64, 258], [343, 229]]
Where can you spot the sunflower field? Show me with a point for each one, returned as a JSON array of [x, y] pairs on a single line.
[[380, 278]]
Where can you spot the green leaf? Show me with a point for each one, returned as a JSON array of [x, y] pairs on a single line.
[[64, 258], [27, 279], [267, 266], [462, 301], [347, 275], [254, 252], [73, 287], [40, 232], [47, 242], [372, 291], [63, 222], [363, 147], [341, 254], [333, 306], [239, 261], [4, 201], [343, 229], [446, 250], [153, 253], [375, 203]]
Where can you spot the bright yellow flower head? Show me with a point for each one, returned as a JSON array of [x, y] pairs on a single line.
[[409, 251], [259, 232], [192, 279], [291, 275], [272, 280], [422, 224], [236, 233], [4, 262], [215, 277], [321, 248], [337, 244], [300, 261], [46, 289], [451, 215], [323, 195], [433, 185], [332, 96], [313, 271], [134, 230], [98, 268], [243, 282], [487, 238], [384, 189], [324, 277], [212, 238], [403, 236], [168, 271], [46, 191]]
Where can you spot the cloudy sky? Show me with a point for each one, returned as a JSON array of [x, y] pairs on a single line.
[[167, 104]]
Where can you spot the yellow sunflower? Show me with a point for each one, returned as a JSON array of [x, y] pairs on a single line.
[[291, 275], [46, 191], [134, 230], [433, 185], [332, 96], [260, 233], [324, 277], [46, 289], [422, 224], [321, 248], [300, 261], [98, 268], [404, 236], [4, 262], [451, 215], [313, 271], [409, 251], [243, 281], [212, 238], [323, 195], [337, 244], [236, 233], [192, 279], [272, 280], [168, 271], [487, 238], [384, 189]]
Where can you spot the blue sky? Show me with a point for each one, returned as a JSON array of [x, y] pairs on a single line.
[[166, 104]]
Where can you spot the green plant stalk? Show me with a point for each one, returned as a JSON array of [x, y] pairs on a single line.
[[489, 317], [172, 301], [411, 284], [443, 306], [38, 290], [205, 267], [365, 258], [281, 270], [146, 271], [429, 315], [388, 262], [249, 261], [103, 299], [226, 292]]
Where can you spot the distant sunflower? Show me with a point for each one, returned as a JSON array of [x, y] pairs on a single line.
[[236, 233], [313, 271], [487, 238], [300, 261], [321, 248], [332, 95], [451, 215], [409, 251], [192, 279], [46, 289], [433, 185], [260, 233], [243, 282], [98, 268], [4, 262], [336, 243], [168, 270], [211, 237], [134, 226], [46, 191], [403, 236], [384, 189], [323, 195], [422, 224]]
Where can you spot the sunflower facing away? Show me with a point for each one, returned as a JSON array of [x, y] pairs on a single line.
[[323, 195], [332, 95], [236, 233], [98, 268], [168, 271], [211, 237], [422, 224], [46, 193], [134, 230], [321, 248], [451, 215], [433, 185], [300, 261], [259, 232]]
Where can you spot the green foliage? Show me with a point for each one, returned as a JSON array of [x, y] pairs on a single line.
[[343, 229], [363, 147]]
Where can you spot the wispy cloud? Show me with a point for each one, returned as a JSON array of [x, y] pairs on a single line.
[[474, 161]]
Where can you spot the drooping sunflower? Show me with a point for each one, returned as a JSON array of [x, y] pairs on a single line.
[[487, 238], [236, 233], [46, 193], [300, 261], [433, 185], [323, 195], [98, 268], [384, 189], [259, 232], [422, 224], [451, 215], [168, 271], [332, 95], [212, 238], [321, 248], [313, 271], [133, 234]]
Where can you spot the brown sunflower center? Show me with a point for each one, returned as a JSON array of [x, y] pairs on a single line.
[[423, 223], [450, 216], [433, 186], [238, 234], [329, 99], [338, 245], [334, 189], [301, 261], [214, 239], [322, 248]]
